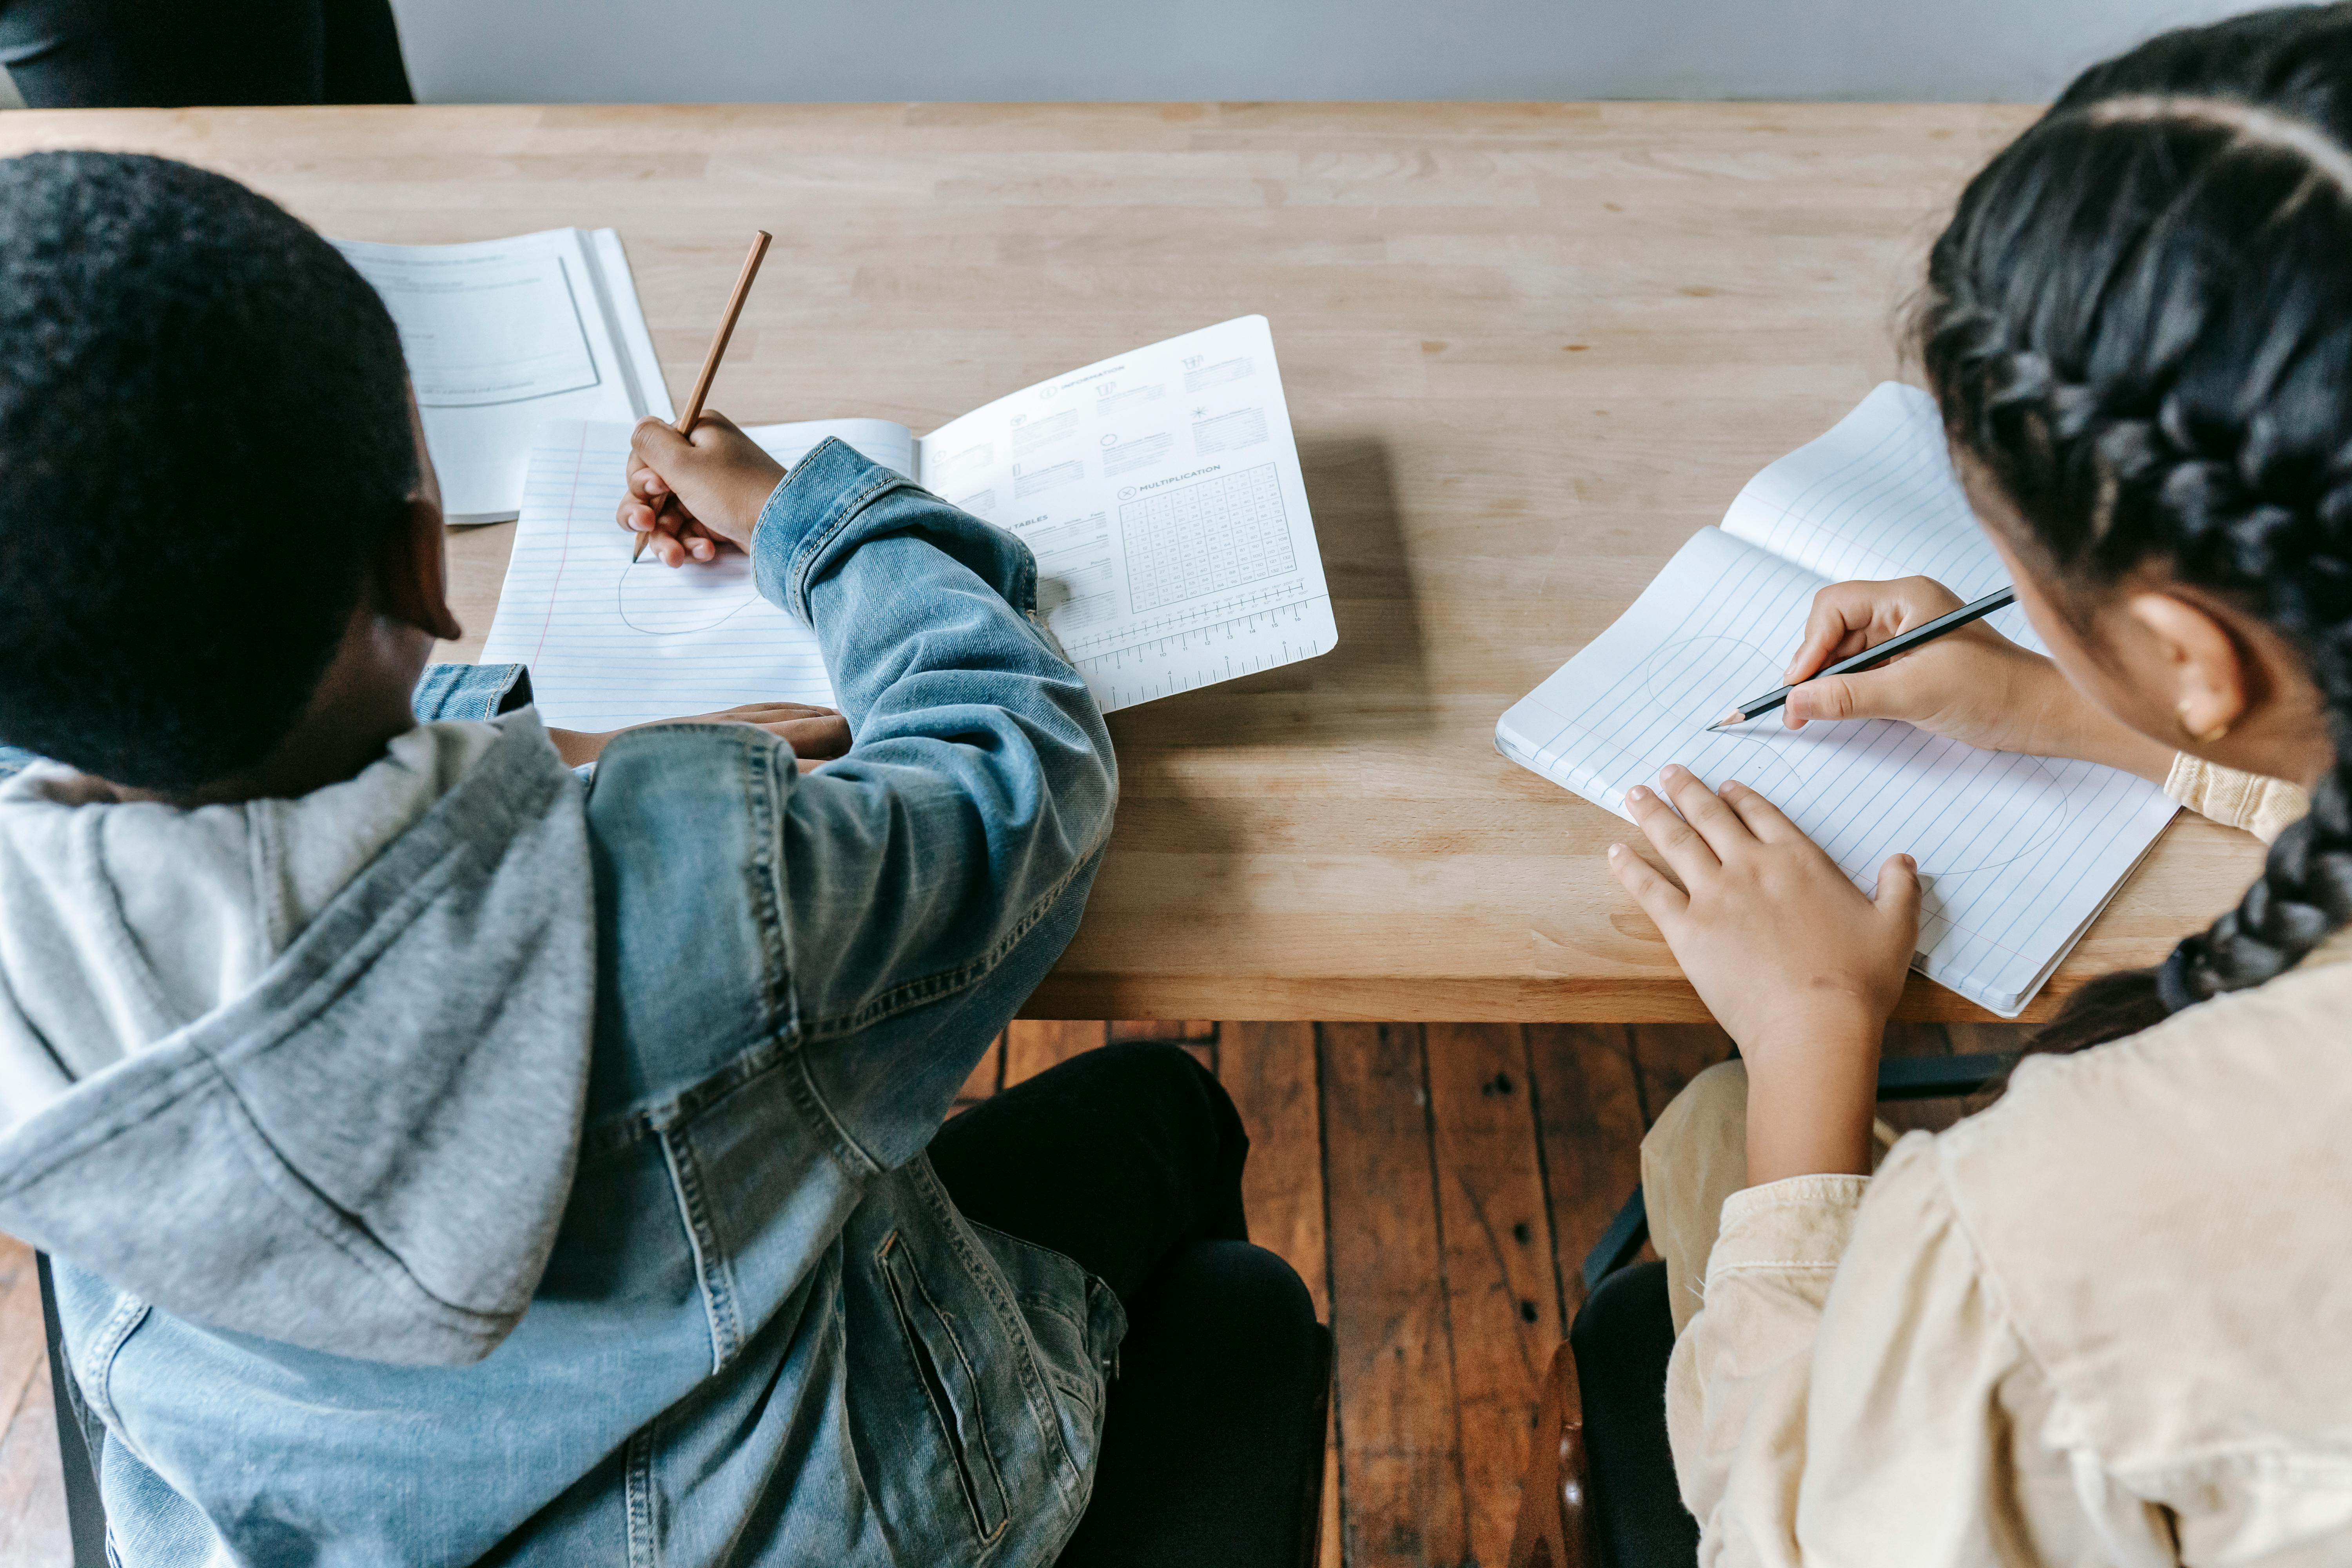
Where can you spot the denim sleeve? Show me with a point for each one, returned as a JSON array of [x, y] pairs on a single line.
[[470, 692], [981, 781]]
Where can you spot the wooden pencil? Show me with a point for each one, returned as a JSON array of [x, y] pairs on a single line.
[[686, 421]]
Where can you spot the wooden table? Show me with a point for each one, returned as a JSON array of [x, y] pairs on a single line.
[[1529, 348]]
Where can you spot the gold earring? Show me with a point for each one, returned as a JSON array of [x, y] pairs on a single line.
[[2217, 732]]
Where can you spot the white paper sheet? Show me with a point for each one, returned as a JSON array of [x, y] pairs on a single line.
[[1162, 492], [610, 643], [504, 335], [2017, 854]]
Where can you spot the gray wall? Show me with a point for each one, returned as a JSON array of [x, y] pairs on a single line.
[[652, 51]]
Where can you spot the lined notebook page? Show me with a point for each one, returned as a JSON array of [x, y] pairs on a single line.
[[610, 643], [1877, 497], [2017, 854]]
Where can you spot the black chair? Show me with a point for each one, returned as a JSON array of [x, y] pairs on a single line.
[[85, 1514], [1599, 1489]]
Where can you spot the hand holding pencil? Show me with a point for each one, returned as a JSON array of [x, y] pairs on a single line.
[[647, 505], [690, 496], [1971, 683]]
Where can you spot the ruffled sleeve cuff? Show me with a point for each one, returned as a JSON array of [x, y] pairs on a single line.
[[2264, 807]]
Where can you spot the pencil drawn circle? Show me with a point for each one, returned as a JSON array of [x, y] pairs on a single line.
[[661, 602], [1703, 676], [2030, 810]]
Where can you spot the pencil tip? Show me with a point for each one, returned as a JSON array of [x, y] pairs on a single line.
[[1734, 717]]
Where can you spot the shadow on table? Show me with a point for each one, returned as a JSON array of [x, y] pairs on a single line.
[[1376, 681]]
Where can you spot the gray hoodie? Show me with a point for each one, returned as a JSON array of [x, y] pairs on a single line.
[[289, 1068]]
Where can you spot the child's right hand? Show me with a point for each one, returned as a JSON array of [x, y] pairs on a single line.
[[1973, 685], [718, 480]]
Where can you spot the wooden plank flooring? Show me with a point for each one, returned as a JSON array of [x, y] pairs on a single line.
[[1436, 1185]]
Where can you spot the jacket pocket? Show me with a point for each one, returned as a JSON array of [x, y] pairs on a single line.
[[949, 1383]]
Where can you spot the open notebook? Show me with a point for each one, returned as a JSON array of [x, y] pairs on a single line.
[[2018, 854], [502, 336], [1159, 489]]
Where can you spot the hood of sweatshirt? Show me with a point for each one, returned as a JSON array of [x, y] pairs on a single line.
[[309, 1069]]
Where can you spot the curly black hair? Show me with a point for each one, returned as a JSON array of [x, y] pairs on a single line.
[[2139, 323], [204, 434]]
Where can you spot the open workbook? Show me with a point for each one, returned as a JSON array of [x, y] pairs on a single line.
[[502, 336], [2017, 854], [1160, 491]]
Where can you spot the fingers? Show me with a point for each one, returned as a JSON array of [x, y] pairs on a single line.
[[821, 733], [644, 485], [769, 712], [1898, 893], [713, 429], [1660, 900], [1673, 838], [665, 546], [1763, 818], [718, 481], [1716, 823], [1847, 618], [1842, 612], [677, 538], [1885, 693], [818, 738], [653, 445]]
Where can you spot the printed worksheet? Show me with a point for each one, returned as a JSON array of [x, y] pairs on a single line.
[[1161, 493], [503, 336], [2017, 854]]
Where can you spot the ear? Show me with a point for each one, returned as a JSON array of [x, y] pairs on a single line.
[[412, 572], [2204, 681]]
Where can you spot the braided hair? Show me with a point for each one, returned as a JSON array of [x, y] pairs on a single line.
[[2139, 324]]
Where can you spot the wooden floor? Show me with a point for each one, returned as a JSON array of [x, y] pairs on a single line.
[[1436, 1184]]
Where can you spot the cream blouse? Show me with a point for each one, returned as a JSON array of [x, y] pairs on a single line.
[[2108, 1320]]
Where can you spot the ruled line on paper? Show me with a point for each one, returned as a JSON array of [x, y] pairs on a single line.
[[610, 643]]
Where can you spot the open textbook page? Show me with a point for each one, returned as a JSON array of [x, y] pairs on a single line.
[[2017, 854], [502, 336], [1160, 491], [610, 644]]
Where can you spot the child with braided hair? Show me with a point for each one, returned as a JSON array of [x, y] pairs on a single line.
[[2110, 1319]]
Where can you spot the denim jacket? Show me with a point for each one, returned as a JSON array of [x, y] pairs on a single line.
[[750, 1326]]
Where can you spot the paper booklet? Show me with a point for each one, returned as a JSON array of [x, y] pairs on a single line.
[[503, 336], [1159, 489], [2017, 854]]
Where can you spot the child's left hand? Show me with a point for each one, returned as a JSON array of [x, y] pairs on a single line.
[[1800, 966], [817, 734]]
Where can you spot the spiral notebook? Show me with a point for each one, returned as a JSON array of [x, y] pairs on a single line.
[[2017, 854]]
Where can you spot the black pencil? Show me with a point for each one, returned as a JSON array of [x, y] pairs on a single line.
[[1900, 643]]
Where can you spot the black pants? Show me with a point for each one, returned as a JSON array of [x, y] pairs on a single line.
[[1128, 1159], [169, 54]]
